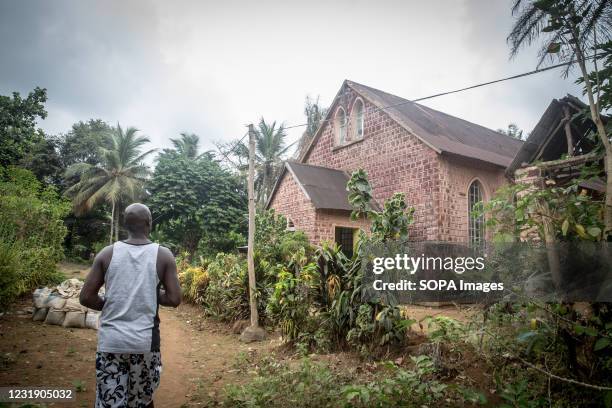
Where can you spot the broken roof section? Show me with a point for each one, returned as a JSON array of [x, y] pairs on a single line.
[[549, 139], [443, 133]]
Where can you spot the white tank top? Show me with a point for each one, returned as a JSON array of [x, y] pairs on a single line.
[[129, 322]]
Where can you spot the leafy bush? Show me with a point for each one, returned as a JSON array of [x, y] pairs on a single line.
[[561, 339], [273, 242], [32, 231], [194, 199], [315, 385], [291, 300], [194, 282], [414, 387], [569, 212], [312, 385], [220, 285], [227, 296], [9, 272], [363, 325]]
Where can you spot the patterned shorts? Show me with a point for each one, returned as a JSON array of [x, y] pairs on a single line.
[[126, 380]]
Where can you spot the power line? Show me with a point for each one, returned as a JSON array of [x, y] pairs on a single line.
[[232, 149], [525, 74], [536, 71]]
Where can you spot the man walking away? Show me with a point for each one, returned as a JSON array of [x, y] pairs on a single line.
[[128, 361]]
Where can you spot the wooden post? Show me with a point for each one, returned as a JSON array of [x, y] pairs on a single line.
[[251, 237], [568, 132], [253, 332]]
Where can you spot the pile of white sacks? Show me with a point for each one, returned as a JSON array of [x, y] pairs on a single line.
[[60, 306]]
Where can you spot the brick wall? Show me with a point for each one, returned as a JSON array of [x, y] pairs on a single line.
[[319, 225], [290, 201], [395, 160], [456, 175], [327, 220]]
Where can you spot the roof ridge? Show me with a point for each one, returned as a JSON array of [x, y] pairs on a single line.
[[432, 109]]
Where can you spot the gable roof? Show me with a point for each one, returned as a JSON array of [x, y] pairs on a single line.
[[324, 187], [442, 132]]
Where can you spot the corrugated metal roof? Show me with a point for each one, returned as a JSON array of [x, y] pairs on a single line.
[[443, 132], [324, 187]]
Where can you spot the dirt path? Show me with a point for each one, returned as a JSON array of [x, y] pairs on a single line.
[[199, 356]]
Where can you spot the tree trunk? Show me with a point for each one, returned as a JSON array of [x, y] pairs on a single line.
[[112, 223], [608, 209], [117, 228], [550, 241], [601, 131], [265, 188]]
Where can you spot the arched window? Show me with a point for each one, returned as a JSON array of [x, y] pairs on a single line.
[[476, 223], [341, 126], [357, 118], [290, 225]]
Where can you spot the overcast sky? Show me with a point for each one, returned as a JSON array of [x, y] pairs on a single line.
[[211, 67]]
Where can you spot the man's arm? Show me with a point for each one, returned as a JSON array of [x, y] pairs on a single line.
[[95, 279], [171, 295]]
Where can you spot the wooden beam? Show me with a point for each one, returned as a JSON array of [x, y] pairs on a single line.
[[568, 132]]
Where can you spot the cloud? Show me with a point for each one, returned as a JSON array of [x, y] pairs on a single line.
[[211, 67]]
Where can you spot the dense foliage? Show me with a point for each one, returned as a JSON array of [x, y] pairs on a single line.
[[85, 142], [317, 385], [31, 230], [118, 179], [196, 204], [566, 340], [18, 131], [219, 283], [569, 212], [313, 296]]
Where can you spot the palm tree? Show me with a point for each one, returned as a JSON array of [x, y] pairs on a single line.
[[571, 29], [270, 150], [120, 176], [187, 145]]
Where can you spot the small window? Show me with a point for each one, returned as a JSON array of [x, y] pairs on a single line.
[[357, 116], [476, 222], [345, 238], [341, 126], [290, 225]]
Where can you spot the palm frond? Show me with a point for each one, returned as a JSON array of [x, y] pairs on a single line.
[[527, 27]]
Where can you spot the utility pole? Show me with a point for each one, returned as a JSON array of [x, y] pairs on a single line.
[[253, 332]]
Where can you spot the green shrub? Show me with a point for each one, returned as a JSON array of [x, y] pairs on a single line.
[[32, 230], [194, 282], [227, 295], [315, 385], [9, 270], [312, 385], [293, 294]]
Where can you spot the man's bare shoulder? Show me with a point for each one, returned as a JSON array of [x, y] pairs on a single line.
[[165, 254], [105, 254]]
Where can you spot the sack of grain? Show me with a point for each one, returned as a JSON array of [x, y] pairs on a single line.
[[74, 319], [55, 301], [40, 314], [92, 320], [73, 305], [55, 317], [40, 297]]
